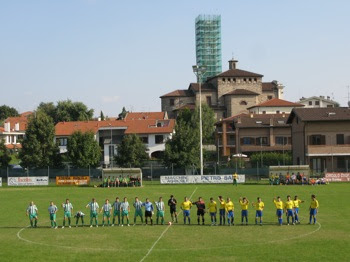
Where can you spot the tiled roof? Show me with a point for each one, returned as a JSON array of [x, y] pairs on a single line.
[[145, 115], [268, 86], [276, 102], [205, 87], [321, 114], [26, 114], [11, 146], [188, 106], [258, 120], [242, 92], [21, 120], [238, 73], [178, 93]]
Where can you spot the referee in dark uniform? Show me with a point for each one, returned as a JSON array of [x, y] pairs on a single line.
[[172, 204]]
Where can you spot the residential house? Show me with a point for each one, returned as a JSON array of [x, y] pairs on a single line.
[[274, 106], [321, 138], [318, 101]]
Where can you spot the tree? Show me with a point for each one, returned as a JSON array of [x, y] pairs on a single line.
[[271, 158], [6, 111], [39, 148], [122, 114], [5, 156], [208, 123], [183, 149], [66, 111], [131, 152], [83, 150], [102, 116]]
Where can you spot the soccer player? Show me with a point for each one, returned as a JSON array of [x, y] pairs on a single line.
[[296, 203], [93, 205], [229, 208], [234, 178], [138, 210], [279, 209], [313, 209], [107, 207], [32, 213], [52, 211], [78, 215], [148, 211], [200, 209], [244, 202], [125, 209], [259, 208], [185, 207], [68, 209], [222, 210], [288, 206], [212, 210], [116, 213], [172, 204], [160, 210]]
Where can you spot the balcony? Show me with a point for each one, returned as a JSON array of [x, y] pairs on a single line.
[[328, 150]]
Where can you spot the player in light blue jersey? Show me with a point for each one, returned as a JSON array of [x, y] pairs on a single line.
[[67, 209], [52, 211], [32, 213], [148, 211], [107, 207], [93, 205]]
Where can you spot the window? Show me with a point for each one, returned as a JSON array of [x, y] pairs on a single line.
[[234, 80], [172, 102], [144, 139], [281, 140], [244, 80], [159, 139], [277, 112], [224, 79], [250, 80], [243, 103], [261, 141], [229, 79], [269, 97], [317, 103], [310, 103], [330, 106], [341, 162], [62, 141], [255, 79], [340, 139], [209, 100], [317, 140], [159, 124], [264, 112], [248, 141]]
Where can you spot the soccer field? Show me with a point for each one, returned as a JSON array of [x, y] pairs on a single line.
[[328, 240]]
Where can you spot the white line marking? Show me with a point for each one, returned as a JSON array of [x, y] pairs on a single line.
[[155, 243]]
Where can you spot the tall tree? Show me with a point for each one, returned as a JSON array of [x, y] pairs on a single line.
[[5, 156], [6, 111], [83, 150], [122, 114], [208, 123], [131, 152], [102, 116], [39, 148]]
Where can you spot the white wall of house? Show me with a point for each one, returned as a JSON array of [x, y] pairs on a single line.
[[321, 101], [271, 110]]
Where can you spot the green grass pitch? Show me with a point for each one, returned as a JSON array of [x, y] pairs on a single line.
[[329, 240]]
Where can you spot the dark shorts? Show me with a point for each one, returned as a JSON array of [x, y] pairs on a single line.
[[200, 212], [313, 211], [244, 213], [279, 212], [148, 213], [222, 212], [172, 210]]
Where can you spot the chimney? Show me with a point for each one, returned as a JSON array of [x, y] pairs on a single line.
[[232, 64], [7, 127]]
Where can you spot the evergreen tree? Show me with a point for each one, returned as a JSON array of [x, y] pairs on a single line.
[[131, 152], [5, 156]]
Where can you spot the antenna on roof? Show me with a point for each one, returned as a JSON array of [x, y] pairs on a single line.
[[233, 57]]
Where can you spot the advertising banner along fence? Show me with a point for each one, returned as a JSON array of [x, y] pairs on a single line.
[[28, 181], [207, 179], [338, 177], [72, 180], [0, 181]]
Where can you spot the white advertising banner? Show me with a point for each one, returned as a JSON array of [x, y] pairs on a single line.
[[207, 179], [0, 181], [28, 181]]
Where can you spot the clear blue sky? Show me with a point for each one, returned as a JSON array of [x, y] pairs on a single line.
[[110, 54]]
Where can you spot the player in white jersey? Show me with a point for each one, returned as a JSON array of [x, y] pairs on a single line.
[[107, 207], [32, 213], [67, 209], [78, 215], [160, 210], [93, 205], [52, 211], [125, 209]]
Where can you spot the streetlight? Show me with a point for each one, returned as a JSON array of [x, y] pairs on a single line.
[[199, 71], [110, 149]]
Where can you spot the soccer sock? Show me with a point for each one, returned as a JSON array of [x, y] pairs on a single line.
[[310, 219], [122, 220], [113, 220], [184, 220], [198, 220], [172, 217], [157, 220], [134, 220], [280, 221], [224, 220], [202, 220], [118, 220], [256, 220], [296, 217], [288, 219], [96, 222], [90, 221], [76, 221], [64, 222], [220, 220], [189, 220], [108, 221], [151, 221], [314, 220], [233, 220], [293, 220], [82, 220], [215, 219], [103, 221], [31, 223], [36, 221], [142, 220], [69, 221], [127, 220], [162, 220], [260, 220]]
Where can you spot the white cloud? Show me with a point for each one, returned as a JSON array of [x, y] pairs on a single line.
[[110, 99]]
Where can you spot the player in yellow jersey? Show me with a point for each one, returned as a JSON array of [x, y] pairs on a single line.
[[288, 207], [222, 210], [259, 208], [244, 202], [279, 206], [186, 206], [212, 207], [296, 203], [229, 208], [313, 209]]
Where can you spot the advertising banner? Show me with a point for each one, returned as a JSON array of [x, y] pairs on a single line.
[[207, 179], [0, 181], [28, 181], [338, 177], [72, 180]]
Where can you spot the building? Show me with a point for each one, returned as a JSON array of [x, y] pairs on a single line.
[[208, 44], [14, 130], [154, 128], [274, 106], [321, 138], [318, 101], [229, 93], [249, 133]]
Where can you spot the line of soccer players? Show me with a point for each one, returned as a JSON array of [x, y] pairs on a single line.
[[121, 210]]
